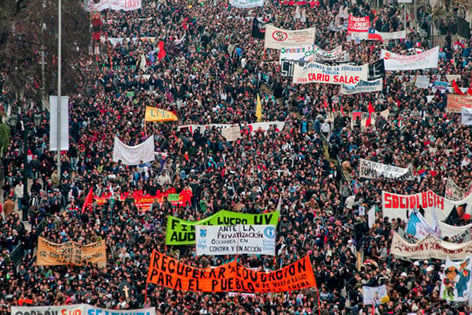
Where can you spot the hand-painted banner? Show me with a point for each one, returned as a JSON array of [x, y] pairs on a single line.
[[358, 24], [235, 240], [159, 115], [425, 60], [374, 170], [314, 72], [373, 34], [430, 247], [117, 5], [456, 283], [454, 192], [255, 127], [375, 295], [314, 53], [133, 155], [278, 38], [78, 309], [246, 4], [169, 272], [362, 87], [456, 102], [182, 232], [399, 206], [70, 253]]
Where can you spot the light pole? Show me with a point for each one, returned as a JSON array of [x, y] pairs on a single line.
[[59, 66]]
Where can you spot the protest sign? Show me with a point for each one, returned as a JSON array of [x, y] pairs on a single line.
[[231, 277], [246, 4], [70, 253], [358, 24], [182, 232], [255, 127], [314, 53], [362, 87], [78, 309], [466, 116], [425, 60], [400, 206], [374, 170], [422, 82], [429, 247], [133, 155], [455, 192], [375, 295], [231, 133], [314, 72], [278, 38], [456, 286], [117, 5], [456, 102], [235, 240]]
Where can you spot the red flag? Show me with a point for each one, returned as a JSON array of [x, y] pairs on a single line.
[[469, 91], [162, 52], [370, 109], [368, 122], [342, 109], [457, 90], [88, 200], [325, 104]]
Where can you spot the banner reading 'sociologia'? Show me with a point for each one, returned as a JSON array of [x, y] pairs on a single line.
[[125, 5], [171, 273], [278, 38], [78, 309], [314, 72], [456, 284], [246, 4], [182, 232], [374, 170], [235, 240], [425, 60], [399, 206], [314, 53]]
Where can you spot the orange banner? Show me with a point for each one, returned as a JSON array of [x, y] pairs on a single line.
[[171, 273]]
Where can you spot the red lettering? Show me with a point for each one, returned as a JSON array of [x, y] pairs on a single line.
[[413, 202], [440, 202], [319, 77], [396, 202], [424, 200], [388, 200], [430, 199], [404, 202]]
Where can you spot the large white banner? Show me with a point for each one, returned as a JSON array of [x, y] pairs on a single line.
[[374, 295], [456, 284], [314, 72], [278, 38], [77, 309], [133, 155], [314, 53], [425, 60], [362, 87], [54, 124], [237, 239], [400, 206], [455, 192], [429, 247], [255, 127], [125, 5], [246, 4], [374, 170]]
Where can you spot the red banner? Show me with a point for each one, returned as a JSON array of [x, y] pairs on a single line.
[[358, 24]]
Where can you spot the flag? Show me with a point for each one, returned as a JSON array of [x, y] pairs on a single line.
[[373, 35], [159, 115], [325, 104], [419, 228], [258, 109], [258, 29], [368, 121], [457, 90], [370, 109], [342, 109], [469, 91], [162, 52], [88, 200]]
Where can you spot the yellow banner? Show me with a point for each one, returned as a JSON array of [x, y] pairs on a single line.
[[160, 115], [70, 253]]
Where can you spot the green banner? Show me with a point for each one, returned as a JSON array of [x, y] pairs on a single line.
[[182, 232]]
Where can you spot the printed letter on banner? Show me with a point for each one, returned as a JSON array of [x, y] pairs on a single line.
[[314, 72], [181, 232], [168, 272], [278, 38], [78, 309], [425, 60]]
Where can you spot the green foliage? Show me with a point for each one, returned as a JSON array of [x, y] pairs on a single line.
[[4, 139]]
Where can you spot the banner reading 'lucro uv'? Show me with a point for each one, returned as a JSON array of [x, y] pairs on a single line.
[[278, 38], [78, 309], [171, 273], [182, 232], [425, 60], [235, 240], [314, 72], [374, 170]]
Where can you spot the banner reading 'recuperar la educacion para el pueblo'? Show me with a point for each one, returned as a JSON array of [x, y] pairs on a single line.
[[77, 309], [231, 277], [182, 232]]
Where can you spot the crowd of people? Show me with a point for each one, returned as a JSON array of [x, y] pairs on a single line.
[[212, 72]]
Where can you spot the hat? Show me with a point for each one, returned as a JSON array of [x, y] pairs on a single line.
[[443, 266], [416, 263], [403, 274], [430, 268]]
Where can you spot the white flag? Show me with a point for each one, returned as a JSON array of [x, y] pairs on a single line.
[[133, 155], [53, 123]]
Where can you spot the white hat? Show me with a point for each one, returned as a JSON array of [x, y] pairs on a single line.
[[416, 263], [403, 274], [430, 268]]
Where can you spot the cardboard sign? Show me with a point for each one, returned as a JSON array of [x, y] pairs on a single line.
[[231, 277], [455, 102], [182, 232]]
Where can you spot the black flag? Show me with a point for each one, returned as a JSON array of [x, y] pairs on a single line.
[[258, 29], [376, 70], [456, 215]]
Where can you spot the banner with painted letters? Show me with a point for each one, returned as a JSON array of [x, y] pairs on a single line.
[[314, 72], [235, 240], [455, 192], [456, 102], [373, 170], [400, 206], [425, 60], [362, 87], [373, 34], [246, 4], [133, 155], [182, 232], [358, 24], [456, 284], [117, 5], [278, 38], [429, 247], [169, 272], [77, 309], [314, 53], [254, 127]]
